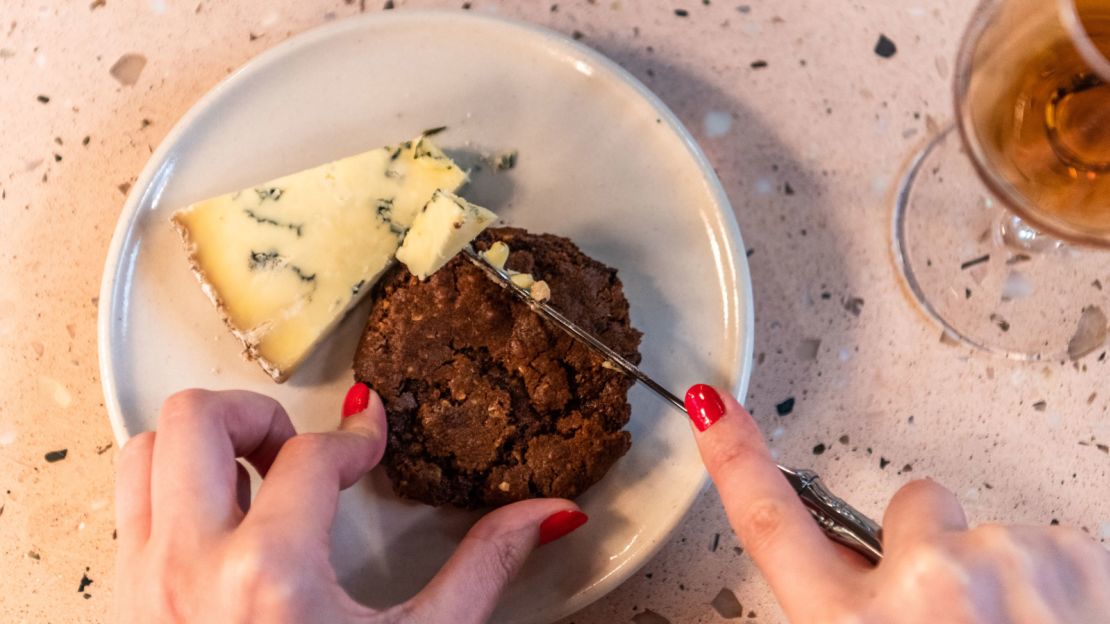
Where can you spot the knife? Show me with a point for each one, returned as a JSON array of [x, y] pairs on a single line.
[[840, 521]]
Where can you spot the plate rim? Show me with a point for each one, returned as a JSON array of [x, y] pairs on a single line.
[[740, 296]]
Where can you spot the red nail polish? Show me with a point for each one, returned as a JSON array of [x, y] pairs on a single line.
[[704, 406], [560, 523], [358, 397]]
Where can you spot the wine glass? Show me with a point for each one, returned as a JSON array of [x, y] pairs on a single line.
[[999, 220]]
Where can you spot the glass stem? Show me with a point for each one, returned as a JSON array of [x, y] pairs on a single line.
[[1013, 233]]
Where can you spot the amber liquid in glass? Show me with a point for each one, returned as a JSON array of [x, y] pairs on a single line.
[[1048, 134]]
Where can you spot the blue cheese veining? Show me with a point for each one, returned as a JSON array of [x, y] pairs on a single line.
[[285, 259]]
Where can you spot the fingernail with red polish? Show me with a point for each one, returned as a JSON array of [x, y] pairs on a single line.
[[704, 406], [560, 523], [358, 397]]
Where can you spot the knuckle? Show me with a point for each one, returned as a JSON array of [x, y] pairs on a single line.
[[504, 559], [918, 493], [305, 445], [409, 611], [161, 601], [760, 523], [916, 487], [935, 565], [1018, 553], [137, 445], [183, 406], [992, 532], [732, 459], [166, 555], [997, 542], [1083, 551], [500, 560], [1071, 539], [166, 576], [254, 568], [245, 566], [925, 554], [920, 488], [847, 614]]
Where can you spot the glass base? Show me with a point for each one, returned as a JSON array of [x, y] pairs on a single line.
[[988, 279]]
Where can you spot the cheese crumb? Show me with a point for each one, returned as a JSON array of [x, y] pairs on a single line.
[[523, 280], [497, 255], [445, 225]]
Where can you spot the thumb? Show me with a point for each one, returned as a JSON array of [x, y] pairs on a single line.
[[468, 586]]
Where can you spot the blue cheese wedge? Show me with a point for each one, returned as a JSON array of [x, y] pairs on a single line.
[[446, 225], [284, 260]]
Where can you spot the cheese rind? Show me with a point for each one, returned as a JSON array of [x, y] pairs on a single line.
[[284, 260], [446, 225]]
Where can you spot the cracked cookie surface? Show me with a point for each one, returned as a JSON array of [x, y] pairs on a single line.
[[488, 403]]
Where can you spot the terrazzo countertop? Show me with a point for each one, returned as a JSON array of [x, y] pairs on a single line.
[[808, 111]]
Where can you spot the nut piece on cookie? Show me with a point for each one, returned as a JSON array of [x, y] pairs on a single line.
[[540, 291]]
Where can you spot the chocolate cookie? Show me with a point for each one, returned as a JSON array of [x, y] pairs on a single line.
[[488, 403]]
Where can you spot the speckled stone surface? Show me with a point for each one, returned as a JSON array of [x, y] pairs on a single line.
[[808, 127]]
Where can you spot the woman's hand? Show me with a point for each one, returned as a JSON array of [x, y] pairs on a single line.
[[935, 569], [193, 547]]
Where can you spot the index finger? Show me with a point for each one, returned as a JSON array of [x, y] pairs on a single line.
[[801, 565], [194, 474]]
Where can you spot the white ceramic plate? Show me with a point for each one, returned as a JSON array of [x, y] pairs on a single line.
[[601, 160]]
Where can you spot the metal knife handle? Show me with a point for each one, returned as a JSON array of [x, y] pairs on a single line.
[[841, 522]]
